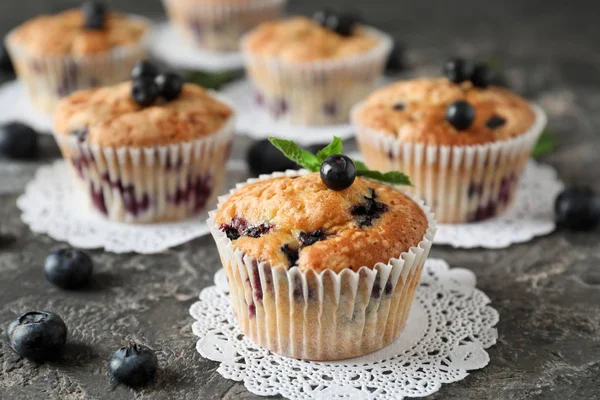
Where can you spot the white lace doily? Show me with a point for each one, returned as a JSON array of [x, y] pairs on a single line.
[[169, 47], [16, 106], [531, 215], [52, 205], [450, 326]]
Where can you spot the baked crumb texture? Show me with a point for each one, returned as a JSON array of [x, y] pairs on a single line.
[[218, 25], [145, 165], [465, 176], [56, 55], [321, 275], [308, 75]]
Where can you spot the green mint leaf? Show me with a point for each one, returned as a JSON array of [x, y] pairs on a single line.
[[360, 166], [333, 148], [297, 154], [212, 80], [393, 177], [546, 143]]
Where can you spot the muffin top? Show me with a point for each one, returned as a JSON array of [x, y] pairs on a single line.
[[65, 34], [298, 221], [301, 39], [415, 111], [110, 117]]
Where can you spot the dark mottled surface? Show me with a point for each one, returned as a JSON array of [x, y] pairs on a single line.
[[547, 291]]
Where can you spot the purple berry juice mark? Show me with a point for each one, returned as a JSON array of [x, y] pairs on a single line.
[[389, 289], [369, 210], [376, 291], [330, 109], [202, 190], [256, 284], [475, 189], [252, 310], [97, 197]]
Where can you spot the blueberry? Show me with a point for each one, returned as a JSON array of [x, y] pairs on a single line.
[[399, 106], [144, 91], [369, 210], [396, 61], [6, 64], [457, 70], [341, 23], [291, 253], [18, 141], [495, 122], [170, 85], [578, 208], [338, 172], [68, 268], [263, 158], [321, 16], [460, 115], [144, 69], [310, 238], [39, 336], [94, 13], [133, 365], [481, 76]]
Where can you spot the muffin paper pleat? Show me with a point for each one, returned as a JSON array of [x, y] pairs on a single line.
[[219, 26], [150, 184], [316, 93], [460, 183], [50, 78], [327, 315]]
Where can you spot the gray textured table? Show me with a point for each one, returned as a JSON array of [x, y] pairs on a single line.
[[547, 291]]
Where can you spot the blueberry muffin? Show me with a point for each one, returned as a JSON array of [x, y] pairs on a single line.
[[150, 162], [465, 144], [56, 55], [218, 25], [321, 274], [312, 71]]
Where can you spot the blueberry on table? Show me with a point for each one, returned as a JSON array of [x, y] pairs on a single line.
[[396, 62], [94, 13], [68, 268], [144, 69], [38, 336], [18, 141], [133, 365], [338, 172], [457, 70], [170, 85], [460, 115], [578, 208], [6, 64], [264, 158], [145, 91], [481, 76]]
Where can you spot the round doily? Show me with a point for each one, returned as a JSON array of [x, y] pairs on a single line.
[[52, 205], [531, 215], [16, 106], [450, 326], [169, 47]]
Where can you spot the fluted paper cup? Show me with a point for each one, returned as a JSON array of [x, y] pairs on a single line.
[[150, 184], [50, 78], [460, 183], [327, 315], [218, 26], [319, 92]]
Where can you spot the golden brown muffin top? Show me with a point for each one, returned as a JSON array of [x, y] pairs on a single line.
[[109, 117], [280, 220], [65, 34], [415, 111], [300, 39]]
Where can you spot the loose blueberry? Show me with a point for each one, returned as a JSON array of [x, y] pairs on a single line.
[[39, 336], [144, 91], [6, 64], [396, 61], [460, 115], [133, 365], [144, 69], [338, 172], [495, 122], [481, 76], [68, 268], [457, 70], [170, 85], [94, 13], [264, 158], [578, 208], [18, 141]]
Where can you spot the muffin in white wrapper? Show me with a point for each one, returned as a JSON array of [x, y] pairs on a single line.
[[325, 315], [320, 90], [218, 25], [50, 77]]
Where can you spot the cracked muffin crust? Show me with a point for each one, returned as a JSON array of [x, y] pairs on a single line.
[[299, 222]]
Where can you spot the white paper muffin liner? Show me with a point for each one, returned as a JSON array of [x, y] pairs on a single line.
[[320, 92], [150, 184], [219, 26], [50, 78], [460, 183], [324, 316]]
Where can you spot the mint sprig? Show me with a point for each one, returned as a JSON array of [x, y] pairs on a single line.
[[313, 162], [545, 144]]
